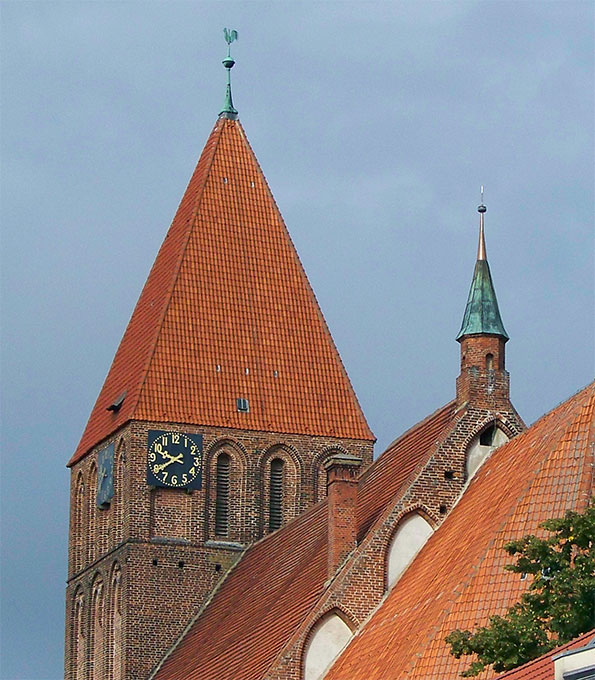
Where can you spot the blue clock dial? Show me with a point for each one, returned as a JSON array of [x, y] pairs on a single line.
[[174, 460]]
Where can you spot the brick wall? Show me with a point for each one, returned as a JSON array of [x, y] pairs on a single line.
[[360, 584], [161, 543]]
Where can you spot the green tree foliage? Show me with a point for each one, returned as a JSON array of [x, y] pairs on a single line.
[[558, 606]]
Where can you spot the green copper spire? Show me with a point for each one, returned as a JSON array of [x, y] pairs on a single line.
[[482, 316], [228, 110]]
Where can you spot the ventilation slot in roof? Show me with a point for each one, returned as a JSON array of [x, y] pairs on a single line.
[[242, 405], [116, 405]]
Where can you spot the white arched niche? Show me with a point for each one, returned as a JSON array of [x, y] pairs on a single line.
[[329, 636], [408, 540], [481, 446]]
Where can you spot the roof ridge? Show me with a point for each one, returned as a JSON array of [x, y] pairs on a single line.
[[564, 401], [317, 306], [556, 650], [178, 266], [368, 472]]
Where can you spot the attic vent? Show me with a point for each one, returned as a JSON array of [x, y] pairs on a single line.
[[486, 438], [275, 374], [242, 405], [252, 184], [218, 368], [225, 180], [276, 494], [247, 371], [116, 405], [222, 499]]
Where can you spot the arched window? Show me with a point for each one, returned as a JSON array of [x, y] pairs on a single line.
[[97, 631], [79, 532], [222, 495], [119, 496], [482, 445], [116, 657], [91, 527], [489, 362], [276, 494], [79, 648], [328, 637], [408, 540]]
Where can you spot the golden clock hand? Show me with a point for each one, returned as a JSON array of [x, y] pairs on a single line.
[[172, 459]]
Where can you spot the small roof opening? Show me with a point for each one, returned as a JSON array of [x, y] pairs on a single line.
[[116, 405]]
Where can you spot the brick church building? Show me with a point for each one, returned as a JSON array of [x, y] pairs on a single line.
[[228, 520]]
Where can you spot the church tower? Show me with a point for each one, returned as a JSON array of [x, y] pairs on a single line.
[[224, 401]]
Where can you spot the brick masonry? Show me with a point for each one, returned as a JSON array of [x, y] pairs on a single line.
[[360, 582], [139, 570]]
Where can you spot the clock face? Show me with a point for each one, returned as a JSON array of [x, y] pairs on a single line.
[[174, 460], [105, 476]]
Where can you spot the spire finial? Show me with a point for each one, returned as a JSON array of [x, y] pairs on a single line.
[[481, 248], [228, 110]]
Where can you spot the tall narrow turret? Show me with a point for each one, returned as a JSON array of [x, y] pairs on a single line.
[[482, 336]]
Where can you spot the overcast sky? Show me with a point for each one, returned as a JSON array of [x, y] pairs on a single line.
[[374, 123]]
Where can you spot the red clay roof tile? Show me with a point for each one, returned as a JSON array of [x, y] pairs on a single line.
[[260, 603], [543, 667], [227, 289], [288, 571], [399, 464], [457, 580]]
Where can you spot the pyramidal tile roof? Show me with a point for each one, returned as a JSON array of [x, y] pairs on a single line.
[[227, 312], [458, 578]]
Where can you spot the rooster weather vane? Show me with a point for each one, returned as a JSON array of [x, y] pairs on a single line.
[[228, 108], [230, 36]]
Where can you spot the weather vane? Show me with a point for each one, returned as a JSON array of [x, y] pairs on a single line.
[[228, 108], [230, 36]]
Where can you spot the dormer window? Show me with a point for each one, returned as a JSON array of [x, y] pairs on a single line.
[[242, 405]]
